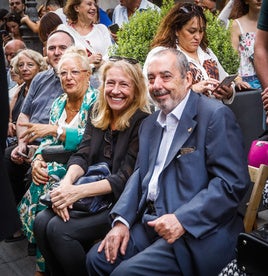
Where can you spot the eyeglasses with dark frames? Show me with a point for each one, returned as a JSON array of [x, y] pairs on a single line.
[[129, 60]]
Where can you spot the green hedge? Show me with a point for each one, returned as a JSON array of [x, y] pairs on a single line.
[[135, 37]]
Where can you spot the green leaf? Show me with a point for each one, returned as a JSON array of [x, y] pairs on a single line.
[[135, 37]]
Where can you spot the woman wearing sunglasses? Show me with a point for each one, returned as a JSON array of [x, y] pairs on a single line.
[[184, 28], [111, 136]]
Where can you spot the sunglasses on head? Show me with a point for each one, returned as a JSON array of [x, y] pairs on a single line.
[[189, 8], [129, 60]]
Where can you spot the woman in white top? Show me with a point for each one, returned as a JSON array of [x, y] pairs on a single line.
[[95, 38], [184, 28], [243, 32]]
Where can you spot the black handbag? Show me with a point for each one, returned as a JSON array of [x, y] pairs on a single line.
[[88, 205], [56, 153], [252, 252]]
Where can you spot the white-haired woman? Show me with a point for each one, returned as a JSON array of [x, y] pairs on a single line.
[[67, 124]]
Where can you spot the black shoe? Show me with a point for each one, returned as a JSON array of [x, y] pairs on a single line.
[[31, 249], [14, 239]]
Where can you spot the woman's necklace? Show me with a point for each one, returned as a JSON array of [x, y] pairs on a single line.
[[72, 110], [75, 110]]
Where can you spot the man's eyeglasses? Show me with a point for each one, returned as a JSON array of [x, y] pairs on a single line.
[[129, 60], [189, 8], [73, 73]]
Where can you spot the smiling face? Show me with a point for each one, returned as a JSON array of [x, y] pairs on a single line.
[[166, 85], [28, 68], [255, 5], [191, 34], [119, 90], [87, 10]]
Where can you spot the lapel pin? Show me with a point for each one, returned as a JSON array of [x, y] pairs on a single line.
[[190, 129]]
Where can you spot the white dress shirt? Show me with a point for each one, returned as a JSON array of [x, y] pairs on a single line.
[[169, 123], [120, 15]]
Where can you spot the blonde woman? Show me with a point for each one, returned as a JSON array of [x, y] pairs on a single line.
[[111, 136]]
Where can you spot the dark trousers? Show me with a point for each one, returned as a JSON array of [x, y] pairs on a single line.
[[143, 257], [64, 244], [17, 175]]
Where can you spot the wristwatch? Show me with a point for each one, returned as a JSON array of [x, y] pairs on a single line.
[[59, 132]]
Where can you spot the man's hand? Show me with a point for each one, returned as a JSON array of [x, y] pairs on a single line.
[[168, 227], [15, 156], [11, 129], [35, 131], [116, 239]]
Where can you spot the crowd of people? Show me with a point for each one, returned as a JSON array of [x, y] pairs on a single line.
[[173, 191]]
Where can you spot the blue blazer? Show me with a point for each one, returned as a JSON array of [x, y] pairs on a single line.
[[201, 186]]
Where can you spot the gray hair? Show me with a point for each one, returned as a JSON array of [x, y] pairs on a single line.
[[33, 55], [74, 52], [182, 62]]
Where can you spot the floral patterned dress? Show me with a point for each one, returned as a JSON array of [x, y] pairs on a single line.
[[30, 205], [246, 52]]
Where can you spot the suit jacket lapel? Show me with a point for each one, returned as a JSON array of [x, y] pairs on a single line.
[[185, 128], [154, 144]]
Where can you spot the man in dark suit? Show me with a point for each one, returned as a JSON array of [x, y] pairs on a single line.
[[9, 219], [178, 213]]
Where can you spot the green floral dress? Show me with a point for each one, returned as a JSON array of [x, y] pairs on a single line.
[[30, 205]]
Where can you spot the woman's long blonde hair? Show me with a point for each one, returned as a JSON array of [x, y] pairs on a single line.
[[101, 117]]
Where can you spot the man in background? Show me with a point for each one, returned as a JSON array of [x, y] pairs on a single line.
[[17, 6], [128, 8], [9, 219]]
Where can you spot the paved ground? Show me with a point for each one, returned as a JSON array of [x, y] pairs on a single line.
[[14, 260]]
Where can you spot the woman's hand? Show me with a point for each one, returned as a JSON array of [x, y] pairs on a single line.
[[25, 19], [63, 213], [240, 85], [205, 86], [35, 131], [39, 171], [96, 59], [6, 38], [223, 92], [64, 196]]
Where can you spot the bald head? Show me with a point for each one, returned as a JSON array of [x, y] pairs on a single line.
[[12, 47]]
